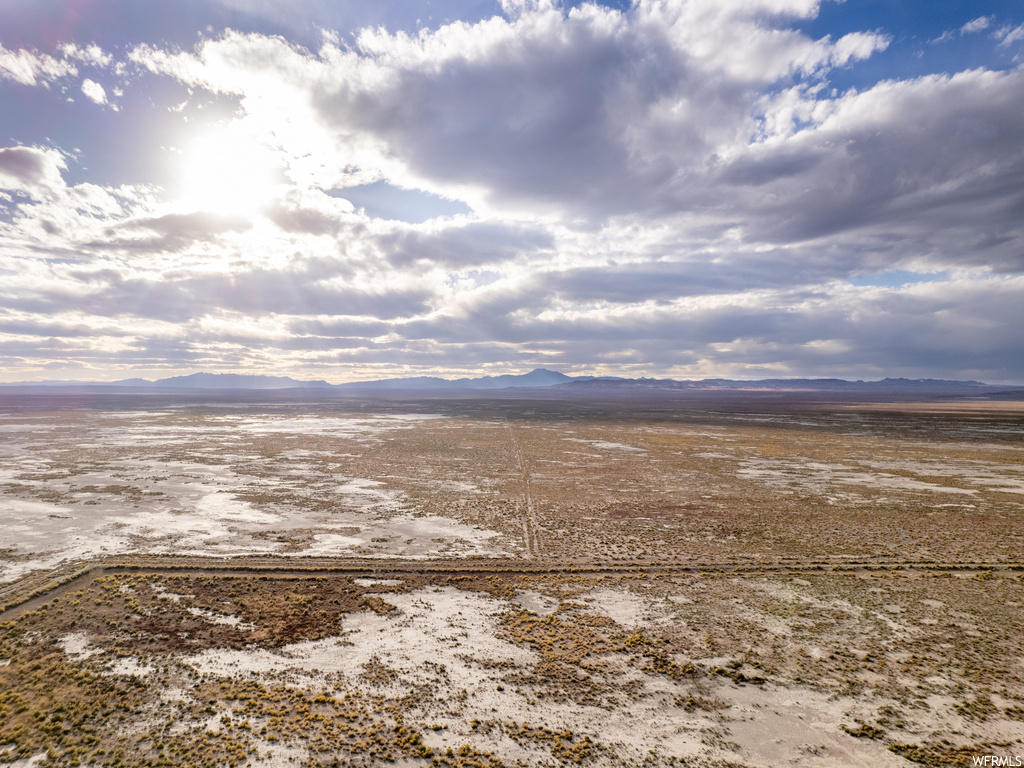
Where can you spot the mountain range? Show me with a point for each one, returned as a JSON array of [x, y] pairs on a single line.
[[540, 378]]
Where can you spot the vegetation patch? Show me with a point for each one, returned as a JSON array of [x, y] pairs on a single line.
[[941, 755]]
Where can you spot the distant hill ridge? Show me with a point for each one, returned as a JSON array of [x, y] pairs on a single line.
[[823, 385], [232, 381], [539, 378]]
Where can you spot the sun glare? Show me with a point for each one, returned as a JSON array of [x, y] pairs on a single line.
[[228, 172]]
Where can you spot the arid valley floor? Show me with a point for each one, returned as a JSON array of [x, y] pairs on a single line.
[[275, 581]]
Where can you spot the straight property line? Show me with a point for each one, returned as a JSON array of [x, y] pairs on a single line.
[[41, 586]]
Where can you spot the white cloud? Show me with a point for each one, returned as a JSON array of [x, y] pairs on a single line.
[[673, 186], [31, 169], [94, 91], [32, 68], [183, 66], [474, 110], [979, 24], [91, 54], [921, 185], [1008, 35], [857, 46], [976, 25]]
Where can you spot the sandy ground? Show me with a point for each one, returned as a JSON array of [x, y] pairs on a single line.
[[872, 667], [101, 486], [452, 480], [695, 671]]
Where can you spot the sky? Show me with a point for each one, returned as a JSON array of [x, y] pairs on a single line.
[[672, 188]]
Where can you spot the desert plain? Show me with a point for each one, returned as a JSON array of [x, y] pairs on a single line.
[[720, 580]]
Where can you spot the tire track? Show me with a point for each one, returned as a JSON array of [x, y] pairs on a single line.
[[530, 528]]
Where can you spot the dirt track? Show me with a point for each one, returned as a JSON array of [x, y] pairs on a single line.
[[531, 534], [31, 591]]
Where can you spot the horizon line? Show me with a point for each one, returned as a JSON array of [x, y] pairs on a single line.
[[470, 377]]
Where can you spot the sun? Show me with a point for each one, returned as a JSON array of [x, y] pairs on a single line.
[[226, 171]]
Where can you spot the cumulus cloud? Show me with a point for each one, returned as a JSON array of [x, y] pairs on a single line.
[[31, 169], [173, 232], [915, 181], [94, 91], [310, 212], [675, 185], [658, 111], [587, 112]]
